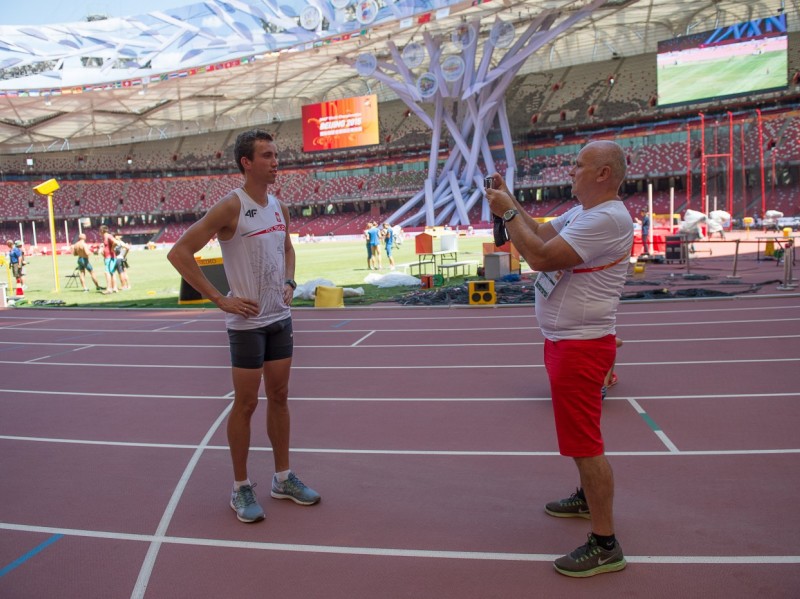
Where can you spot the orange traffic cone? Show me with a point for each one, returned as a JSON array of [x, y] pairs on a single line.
[[19, 292]]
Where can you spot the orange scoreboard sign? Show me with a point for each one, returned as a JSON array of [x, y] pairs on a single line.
[[346, 123]]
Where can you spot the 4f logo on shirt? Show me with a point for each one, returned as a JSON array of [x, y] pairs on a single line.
[[251, 213]]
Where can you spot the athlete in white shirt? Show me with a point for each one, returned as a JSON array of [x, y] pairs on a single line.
[[259, 261], [582, 259]]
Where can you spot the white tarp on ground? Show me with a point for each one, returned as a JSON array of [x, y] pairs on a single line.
[[308, 290], [714, 226], [716, 221], [773, 214], [693, 217], [690, 226], [393, 279]]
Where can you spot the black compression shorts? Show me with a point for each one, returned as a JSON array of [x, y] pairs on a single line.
[[250, 348]]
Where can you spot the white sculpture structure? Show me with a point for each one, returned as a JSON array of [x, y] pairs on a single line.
[[476, 91]]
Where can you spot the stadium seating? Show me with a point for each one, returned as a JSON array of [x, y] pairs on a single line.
[[14, 198], [186, 195], [172, 232], [552, 113]]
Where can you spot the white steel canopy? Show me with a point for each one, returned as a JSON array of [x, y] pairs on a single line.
[[224, 64]]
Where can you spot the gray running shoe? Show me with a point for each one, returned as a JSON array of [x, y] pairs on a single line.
[[245, 504], [591, 559], [294, 489], [574, 506]]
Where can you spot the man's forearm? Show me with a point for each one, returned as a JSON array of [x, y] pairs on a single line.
[[289, 264], [526, 218], [526, 240]]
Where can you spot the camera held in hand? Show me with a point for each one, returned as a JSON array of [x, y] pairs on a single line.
[[498, 227]]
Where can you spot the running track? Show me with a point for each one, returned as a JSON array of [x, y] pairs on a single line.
[[429, 434]]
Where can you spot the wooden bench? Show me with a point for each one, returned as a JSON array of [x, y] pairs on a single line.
[[420, 267], [451, 269]]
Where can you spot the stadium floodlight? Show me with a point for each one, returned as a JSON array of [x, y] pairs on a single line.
[[48, 188]]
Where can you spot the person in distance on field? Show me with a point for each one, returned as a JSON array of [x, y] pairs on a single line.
[[81, 250]]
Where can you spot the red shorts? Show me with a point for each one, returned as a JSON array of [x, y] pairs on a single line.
[[577, 370]]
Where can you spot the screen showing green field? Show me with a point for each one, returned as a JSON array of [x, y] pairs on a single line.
[[742, 59]]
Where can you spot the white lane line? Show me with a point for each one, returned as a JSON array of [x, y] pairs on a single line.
[[74, 349], [107, 365], [173, 325], [25, 323], [152, 552], [401, 367], [361, 339], [499, 399], [714, 396], [403, 452], [703, 323], [666, 441], [62, 316], [397, 399], [653, 426], [392, 552], [702, 339], [685, 310], [144, 346], [101, 443], [488, 327], [299, 314], [400, 346], [109, 394], [216, 330]]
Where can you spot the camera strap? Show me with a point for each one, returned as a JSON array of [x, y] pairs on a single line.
[[576, 271]]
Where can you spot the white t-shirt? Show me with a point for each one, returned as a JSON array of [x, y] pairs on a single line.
[[583, 305], [255, 262]]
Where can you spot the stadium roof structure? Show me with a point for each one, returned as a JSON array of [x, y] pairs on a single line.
[[230, 64]]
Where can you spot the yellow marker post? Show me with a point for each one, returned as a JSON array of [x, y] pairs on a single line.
[[48, 188], [748, 222], [8, 270]]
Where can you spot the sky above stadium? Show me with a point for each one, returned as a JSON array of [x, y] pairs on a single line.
[[48, 12]]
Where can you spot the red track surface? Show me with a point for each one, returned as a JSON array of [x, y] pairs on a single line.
[[428, 433]]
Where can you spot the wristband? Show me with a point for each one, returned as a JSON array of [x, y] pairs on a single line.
[[290, 283]]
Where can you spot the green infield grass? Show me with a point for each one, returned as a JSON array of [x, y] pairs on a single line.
[[156, 284]]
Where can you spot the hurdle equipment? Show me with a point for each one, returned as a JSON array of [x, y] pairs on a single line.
[[788, 275], [482, 293]]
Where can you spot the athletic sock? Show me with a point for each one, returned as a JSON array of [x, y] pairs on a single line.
[[239, 483], [607, 543], [282, 476]]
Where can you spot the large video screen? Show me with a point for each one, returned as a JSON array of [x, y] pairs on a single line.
[[741, 59], [346, 123]]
